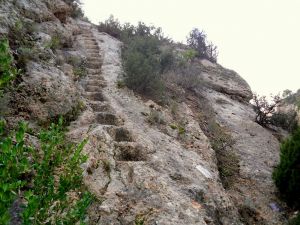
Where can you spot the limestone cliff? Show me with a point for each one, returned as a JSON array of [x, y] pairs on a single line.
[[141, 171]]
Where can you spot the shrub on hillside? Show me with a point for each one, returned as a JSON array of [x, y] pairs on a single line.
[[287, 121], [49, 178], [287, 174], [264, 108], [205, 50], [111, 26], [142, 66], [8, 71]]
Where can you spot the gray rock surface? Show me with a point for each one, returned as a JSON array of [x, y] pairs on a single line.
[[141, 171]]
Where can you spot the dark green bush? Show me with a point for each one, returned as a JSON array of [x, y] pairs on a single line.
[[295, 221], [44, 176], [14, 164], [287, 121], [142, 66], [197, 40], [8, 71], [287, 174], [111, 26]]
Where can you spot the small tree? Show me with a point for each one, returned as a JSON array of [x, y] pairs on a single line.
[[287, 173], [264, 109], [197, 41], [111, 26]]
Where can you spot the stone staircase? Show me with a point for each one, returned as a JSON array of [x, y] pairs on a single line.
[[107, 126]]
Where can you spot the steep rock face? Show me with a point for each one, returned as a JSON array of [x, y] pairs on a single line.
[[257, 149], [225, 81], [143, 172], [151, 175]]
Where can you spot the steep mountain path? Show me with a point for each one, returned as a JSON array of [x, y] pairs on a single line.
[[140, 173]]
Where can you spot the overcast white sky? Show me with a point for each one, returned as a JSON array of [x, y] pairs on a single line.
[[260, 39]]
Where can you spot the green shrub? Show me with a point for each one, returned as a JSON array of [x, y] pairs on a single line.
[[197, 41], [295, 221], [287, 174], [14, 164], [142, 66], [189, 55], [111, 26], [52, 173], [8, 71], [287, 121], [167, 59]]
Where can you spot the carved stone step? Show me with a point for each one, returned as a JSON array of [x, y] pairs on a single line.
[[94, 65], [107, 119], [130, 151], [94, 54], [121, 134], [99, 83], [89, 41], [93, 71], [93, 58], [95, 96], [94, 88], [98, 106]]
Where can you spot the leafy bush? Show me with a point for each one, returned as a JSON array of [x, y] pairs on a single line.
[[142, 66], [197, 41], [264, 109], [14, 164], [8, 71], [295, 221], [127, 31], [287, 173], [287, 121], [111, 26], [46, 177]]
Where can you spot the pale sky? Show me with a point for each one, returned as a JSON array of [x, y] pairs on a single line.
[[259, 39]]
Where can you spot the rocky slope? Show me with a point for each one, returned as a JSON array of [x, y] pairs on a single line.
[[143, 173]]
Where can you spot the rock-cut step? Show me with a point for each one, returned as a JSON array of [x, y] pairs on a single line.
[[94, 65], [96, 82], [94, 96], [93, 71], [130, 151], [106, 118], [94, 54], [94, 88], [99, 106]]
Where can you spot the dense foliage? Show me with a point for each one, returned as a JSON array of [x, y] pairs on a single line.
[[197, 40], [287, 173], [264, 108], [46, 177], [152, 62], [8, 71]]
